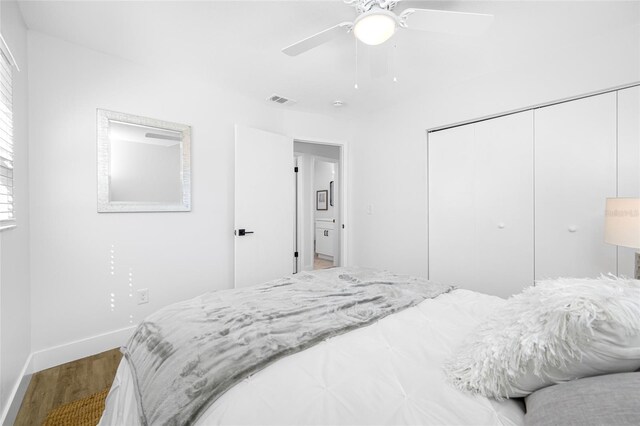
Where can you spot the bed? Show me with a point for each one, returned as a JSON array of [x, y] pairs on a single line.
[[387, 372]]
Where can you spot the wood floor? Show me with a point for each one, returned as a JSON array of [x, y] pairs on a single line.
[[319, 263], [59, 385]]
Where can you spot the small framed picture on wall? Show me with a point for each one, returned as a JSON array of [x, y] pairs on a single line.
[[322, 199]]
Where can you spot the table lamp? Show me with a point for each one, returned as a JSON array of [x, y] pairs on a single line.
[[622, 225]]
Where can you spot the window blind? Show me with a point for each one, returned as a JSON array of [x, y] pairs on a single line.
[[6, 142]]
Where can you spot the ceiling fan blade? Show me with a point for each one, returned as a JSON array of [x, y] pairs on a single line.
[[444, 21], [317, 39]]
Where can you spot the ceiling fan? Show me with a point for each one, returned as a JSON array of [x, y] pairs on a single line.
[[377, 22]]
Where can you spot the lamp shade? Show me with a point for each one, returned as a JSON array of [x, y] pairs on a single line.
[[622, 222]]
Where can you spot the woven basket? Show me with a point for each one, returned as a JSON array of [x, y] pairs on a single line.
[[83, 412]]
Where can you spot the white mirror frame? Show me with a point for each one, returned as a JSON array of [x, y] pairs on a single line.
[[105, 205]]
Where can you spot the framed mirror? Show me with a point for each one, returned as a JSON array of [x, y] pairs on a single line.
[[143, 164]]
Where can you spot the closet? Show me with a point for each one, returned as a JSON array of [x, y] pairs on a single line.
[[521, 196], [481, 204], [575, 171]]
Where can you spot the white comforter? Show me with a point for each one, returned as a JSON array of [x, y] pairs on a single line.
[[387, 373]]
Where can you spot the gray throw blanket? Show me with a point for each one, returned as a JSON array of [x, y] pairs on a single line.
[[185, 356]]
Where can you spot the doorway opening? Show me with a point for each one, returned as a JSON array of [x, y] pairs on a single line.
[[319, 206]]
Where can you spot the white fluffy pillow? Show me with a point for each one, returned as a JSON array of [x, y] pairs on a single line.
[[557, 331]]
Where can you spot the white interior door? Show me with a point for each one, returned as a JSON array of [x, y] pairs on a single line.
[[504, 202], [575, 172], [264, 206], [452, 236], [337, 208], [481, 205]]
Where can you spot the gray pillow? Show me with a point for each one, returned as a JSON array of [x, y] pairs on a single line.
[[612, 399]]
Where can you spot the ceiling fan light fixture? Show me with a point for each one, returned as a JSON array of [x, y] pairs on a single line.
[[375, 27]]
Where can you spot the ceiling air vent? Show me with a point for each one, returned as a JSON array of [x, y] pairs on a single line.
[[281, 100]]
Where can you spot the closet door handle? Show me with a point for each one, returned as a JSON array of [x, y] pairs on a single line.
[[243, 232]]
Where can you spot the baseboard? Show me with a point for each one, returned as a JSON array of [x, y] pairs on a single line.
[[17, 394], [56, 355]]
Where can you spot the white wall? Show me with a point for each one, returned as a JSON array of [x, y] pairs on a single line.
[[317, 150], [15, 342], [324, 173], [389, 147], [174, 255]]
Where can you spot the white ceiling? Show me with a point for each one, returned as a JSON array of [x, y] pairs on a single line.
[[238, 42]]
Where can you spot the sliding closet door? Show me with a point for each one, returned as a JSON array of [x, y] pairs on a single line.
[[504, 201], [481, 205], [628, 161], [452, 236], [575, 166]]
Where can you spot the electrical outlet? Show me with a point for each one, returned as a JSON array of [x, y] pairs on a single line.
[[143, 296]]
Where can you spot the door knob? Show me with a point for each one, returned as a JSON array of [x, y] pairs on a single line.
[[243, 232], [573, 228]]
